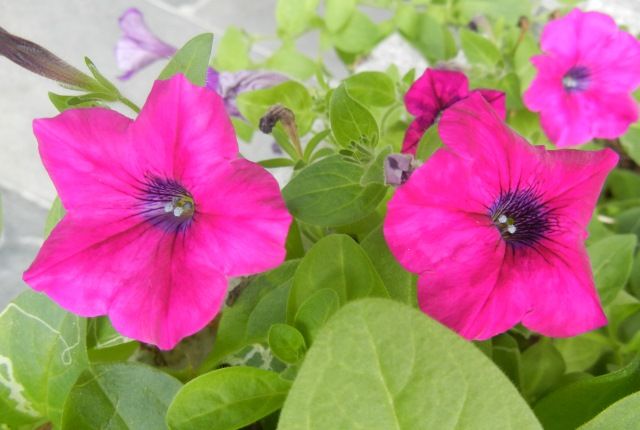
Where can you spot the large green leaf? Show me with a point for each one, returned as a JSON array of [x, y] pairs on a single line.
[[359, 35], [227, 399], [611, 259], [329, 193], [371, 88], [232, 52], [381, 365], [261, 303], [337, 13], [119, 396], [191, 60], [351, 122], [339, 263], [478, 49], [572, 405], [542, 367], [623, 414], [434, 39], [42, 352]]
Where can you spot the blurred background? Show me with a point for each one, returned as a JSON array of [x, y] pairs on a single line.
[[73, 29]]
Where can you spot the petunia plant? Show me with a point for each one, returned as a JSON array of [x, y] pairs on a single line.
[[427, 247]]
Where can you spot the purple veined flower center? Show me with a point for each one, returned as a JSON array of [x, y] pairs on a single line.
[[576, 79], [521, 217], [165, 203]]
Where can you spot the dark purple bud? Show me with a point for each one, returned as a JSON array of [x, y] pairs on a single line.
[[286, 117], [38, 60], [138, 46], [398, 168]]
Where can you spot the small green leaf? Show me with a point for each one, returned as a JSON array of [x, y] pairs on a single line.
[[290, 61], [527, 48], [505, 353], [582, 352], [293, 16], [329, 193], [339, 263], [351, 122], [623, 184], [572, 405], [53, 217], [105, 85], [478, 49], [272, 163], [434, 40], [192, 60], [42, 352], [380, 365], [227, 399], [358, 36], [623, 414], [254, 104], [371, 88], [119, 396], [542, 367], [232, 53], [261, 303], [400, 284], [631, 142], [337, 13], [314, 312], [286, 343], [611, 260], [429, 143]]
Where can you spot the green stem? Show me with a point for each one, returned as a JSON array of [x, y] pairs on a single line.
[[131, 105]]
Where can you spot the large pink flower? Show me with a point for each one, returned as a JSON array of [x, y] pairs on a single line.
[[160, 211], [432, 93], [585, 78], [496, 227]]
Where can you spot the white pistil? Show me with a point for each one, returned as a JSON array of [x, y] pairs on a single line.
[[502, 219], [178, 211], [511, 228], [569, 82]]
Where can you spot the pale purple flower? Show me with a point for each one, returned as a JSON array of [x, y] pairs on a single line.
[[138, 47], [230, 84]]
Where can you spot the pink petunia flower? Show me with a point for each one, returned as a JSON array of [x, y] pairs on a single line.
[[138, 46], [160, 211], [434, 92], [585, 78], [495, 228]]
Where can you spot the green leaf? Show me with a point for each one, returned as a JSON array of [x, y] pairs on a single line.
[[623, 414], [434, 40], [527, 48], [400, 284], [286, 343], [337, 13], [261, 303], [371, 88], [623, 184], [42, 352], [329, 193], [351, 122], [582, 352], [542, 367], [631, 142], [429, 143], [290, 61], [101, 334], [339, 263], [478, 49], [314, 312], [273, 163], [254, 104], [381, 365], [227, 399], [192, 60], [53, 217], [293, 16], [119, 396], [510, 10], [105, 85], [232, 53], [358, 36], [505, 353], [611, 260], [572, 405]]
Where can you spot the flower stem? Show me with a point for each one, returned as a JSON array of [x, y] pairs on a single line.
[[131, 105]]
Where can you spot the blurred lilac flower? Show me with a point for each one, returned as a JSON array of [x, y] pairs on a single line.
[[138, 47]]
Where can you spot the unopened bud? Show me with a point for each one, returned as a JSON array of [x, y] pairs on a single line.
[[398, 169], [38, 60]]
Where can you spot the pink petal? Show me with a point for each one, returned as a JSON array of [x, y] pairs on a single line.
[[175, 294], [434, 91], [569, 122], [427, 224], [184, 129], [613, 114], [563, 298], [243, 221], [560, 36], [546, 90], [414, 133], [475, 294], [87, 155], [497, 100]]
